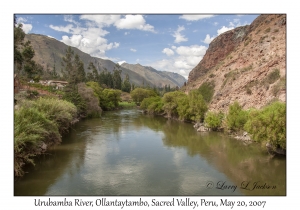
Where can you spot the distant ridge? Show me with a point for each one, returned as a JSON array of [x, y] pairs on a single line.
[[49, 52]]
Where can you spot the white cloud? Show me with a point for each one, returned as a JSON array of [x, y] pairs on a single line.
[[21, 20], [26, 28], [195, 17], [185, 59], [208, 39], [88, 36], [121, 62], [133, 50], [193, 50], [216, 23], [168, 51], [224, 29], [179, 37], [133, 22], [126, 33], [173, 47], [101, 20], [70, 18]]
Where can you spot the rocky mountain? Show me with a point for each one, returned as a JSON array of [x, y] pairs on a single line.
[[246, 64], [49, 52], [158, 78]]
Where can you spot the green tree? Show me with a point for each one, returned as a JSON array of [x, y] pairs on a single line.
[[126, 86], [197, 105], [268, 125], [117, 80], [236, 117], [138, 94], [213, 120], [170, 101], [93, 75], [207, 91]]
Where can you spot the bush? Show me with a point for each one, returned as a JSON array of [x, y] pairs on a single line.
[[207, 90], [197, 106], [39, 121], [110, 98], [30, 128], [273, 76], [91, 100], [138, 94], [152, 105], [59, 111], [71, 95], [236, 117], [213, 120], [269, 125], [170, 101]]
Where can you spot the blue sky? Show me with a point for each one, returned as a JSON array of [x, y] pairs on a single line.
[[170, 42]]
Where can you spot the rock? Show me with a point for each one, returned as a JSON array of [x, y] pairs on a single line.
[[275, 151], [43, 146], [202, 129]]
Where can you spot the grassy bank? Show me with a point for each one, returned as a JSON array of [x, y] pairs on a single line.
[[37, 125]]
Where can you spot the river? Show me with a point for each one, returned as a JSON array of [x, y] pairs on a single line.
[[128, 153]]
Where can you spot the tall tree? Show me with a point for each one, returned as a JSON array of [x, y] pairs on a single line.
[[94, 75], [117, 80], [126, 86]]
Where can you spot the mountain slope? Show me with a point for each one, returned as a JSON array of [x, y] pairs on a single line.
[[49, 52], [246, 64], [158, 78]]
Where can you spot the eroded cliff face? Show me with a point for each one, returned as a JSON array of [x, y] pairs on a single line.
[[246, 64]]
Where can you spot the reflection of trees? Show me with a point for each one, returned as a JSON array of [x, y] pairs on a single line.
[[51, 166], [239, 162]]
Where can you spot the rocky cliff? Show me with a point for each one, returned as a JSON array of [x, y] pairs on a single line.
[[246, 64]]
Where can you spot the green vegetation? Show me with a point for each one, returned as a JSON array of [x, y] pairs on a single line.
[[236, 117], [213, 120], [177, 105], [269, 125], [125, 104], [138, 94], [280, 85], [273, 76], [38, 122], [153, 105], [267, 30], [207, 90]]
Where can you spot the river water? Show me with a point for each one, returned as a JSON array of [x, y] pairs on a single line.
[[128, 153]]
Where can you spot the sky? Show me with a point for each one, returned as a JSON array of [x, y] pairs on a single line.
[[167, 42]]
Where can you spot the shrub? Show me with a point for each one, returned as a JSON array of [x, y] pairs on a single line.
[[153, 105], [59, 111], [170, 102], [281, 85], [30, 128], [273, 76], [236, 117], [213, 120], [267, 30], [91, 100], [138, 94], [269, 125], [207, 90], [197, 106], [110, 98]]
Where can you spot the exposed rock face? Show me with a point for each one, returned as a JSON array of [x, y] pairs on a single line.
[[246, 64], [218, 49]]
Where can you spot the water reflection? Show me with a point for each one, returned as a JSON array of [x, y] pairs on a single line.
[[128, 153]]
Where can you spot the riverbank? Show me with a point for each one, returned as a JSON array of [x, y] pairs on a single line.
[[266, 126]]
